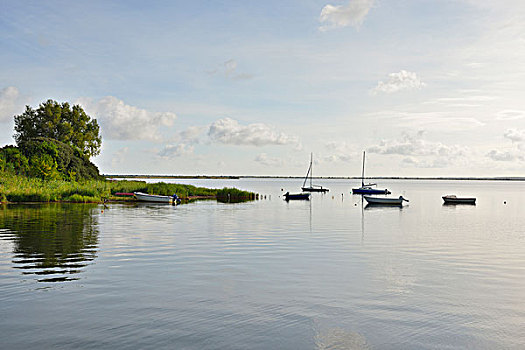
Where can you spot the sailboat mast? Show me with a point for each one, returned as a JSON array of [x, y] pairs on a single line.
[[363, 172], [311, 167]]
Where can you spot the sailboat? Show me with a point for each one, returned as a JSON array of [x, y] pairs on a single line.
[[312, 188], [367, 189]]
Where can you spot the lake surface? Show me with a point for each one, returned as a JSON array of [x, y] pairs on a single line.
[[329, 273]]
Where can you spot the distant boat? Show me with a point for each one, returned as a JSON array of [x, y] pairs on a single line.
[[144, 197], [367, 189], [385, 200], [312, 188], [452, 199], [296, 196]]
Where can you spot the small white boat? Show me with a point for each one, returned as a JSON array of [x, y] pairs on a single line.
[[385, 200], [452, 199], [144, 197]]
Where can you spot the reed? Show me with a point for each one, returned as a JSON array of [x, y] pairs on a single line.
[[17, 188], [233, 195]]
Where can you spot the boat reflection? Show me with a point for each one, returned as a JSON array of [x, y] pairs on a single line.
[[51, 241], [446, 204], [153, 205], [379, 206]]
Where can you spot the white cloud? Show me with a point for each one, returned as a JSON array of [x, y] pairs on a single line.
[[229, 70], [229, 131], [192, 135], [183, 142], [516, 153], [435, 120], [505, 156], [352, 14], [9, 97], [340, 151], [120, 121], [415, 145], [174, 151], [264, 159], [426, 163], [229, 67], [400, 81], [510, 114], [464, 99], [421, 153], [515, 135], [119, 156]]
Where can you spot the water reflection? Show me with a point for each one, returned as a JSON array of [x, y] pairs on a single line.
[[337, 338], [459, 204], [151, 205], [50, 241], [379, 206]]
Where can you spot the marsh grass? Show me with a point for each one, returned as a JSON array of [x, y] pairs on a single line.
[[233, 195], [17, 188]]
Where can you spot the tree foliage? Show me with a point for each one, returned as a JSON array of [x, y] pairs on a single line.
[[70, 125], [47, 159], [13, 161]]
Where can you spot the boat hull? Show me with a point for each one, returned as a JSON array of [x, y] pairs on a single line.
[[384, 201], [296, 196], [369, 191], [144, 197], [458, 200]]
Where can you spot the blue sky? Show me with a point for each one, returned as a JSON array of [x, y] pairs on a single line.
[[428, 88]]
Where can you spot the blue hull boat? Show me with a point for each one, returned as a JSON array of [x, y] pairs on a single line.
[[296, 196], [368, 190]]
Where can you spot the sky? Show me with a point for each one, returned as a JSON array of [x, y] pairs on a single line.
[[426, 87]]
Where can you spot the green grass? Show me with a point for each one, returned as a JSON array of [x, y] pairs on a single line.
[[16, 188], [233, 195]]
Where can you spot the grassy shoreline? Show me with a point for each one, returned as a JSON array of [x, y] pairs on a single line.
[[17, 189]]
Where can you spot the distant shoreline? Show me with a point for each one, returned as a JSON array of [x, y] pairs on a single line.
[[219, 177]]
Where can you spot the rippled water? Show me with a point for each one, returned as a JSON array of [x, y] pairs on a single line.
[[329, 273]]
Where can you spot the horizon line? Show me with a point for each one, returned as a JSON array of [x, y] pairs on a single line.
[[233, 177]]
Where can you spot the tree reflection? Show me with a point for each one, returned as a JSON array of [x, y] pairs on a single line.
[[52, 241]]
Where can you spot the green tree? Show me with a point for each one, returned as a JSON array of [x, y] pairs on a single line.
[[70, 125], [13, 161], [44, 167], [50, 158]]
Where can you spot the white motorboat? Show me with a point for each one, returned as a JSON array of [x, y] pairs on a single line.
[[385, 200], [144, 197]]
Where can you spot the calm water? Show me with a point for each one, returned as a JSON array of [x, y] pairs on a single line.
[[328, 273]]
